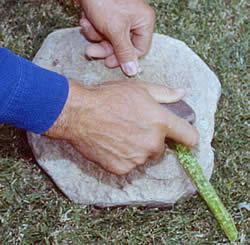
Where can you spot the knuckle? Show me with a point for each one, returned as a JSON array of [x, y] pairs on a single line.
[[141, 160], [124, 170], [124, 49], [91, 36], [192, 138], [121, 167], [115, 29], [151, 14], [121, 172], [155, 145], [143, 51], [195, 139]]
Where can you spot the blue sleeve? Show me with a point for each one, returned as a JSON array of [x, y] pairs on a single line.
[[31, 97]]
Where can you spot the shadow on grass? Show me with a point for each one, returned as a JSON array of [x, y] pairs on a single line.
[[14, 144]]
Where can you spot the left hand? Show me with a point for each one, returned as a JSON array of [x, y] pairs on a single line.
[[122, 29], [120, 124]]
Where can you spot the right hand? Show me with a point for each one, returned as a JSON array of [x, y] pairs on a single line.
[[120, 125], [121, 29]]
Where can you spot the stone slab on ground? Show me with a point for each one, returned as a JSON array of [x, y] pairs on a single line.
[[169, 62]]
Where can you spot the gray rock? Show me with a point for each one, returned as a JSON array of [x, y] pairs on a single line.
[[169, 62]]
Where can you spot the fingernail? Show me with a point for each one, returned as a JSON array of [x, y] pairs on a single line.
[[130, 68], [180, 91]]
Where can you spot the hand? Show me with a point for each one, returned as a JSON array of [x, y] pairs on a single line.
[[120, 125], [122, 28]]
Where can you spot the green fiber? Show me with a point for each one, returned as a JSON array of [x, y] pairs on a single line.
[[206, 190]]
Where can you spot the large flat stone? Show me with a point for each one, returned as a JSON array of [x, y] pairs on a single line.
[[169, 62]]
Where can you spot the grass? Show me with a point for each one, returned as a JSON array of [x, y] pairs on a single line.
[[34, 211]]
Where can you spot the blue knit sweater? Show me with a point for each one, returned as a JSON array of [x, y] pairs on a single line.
[[31, 97]]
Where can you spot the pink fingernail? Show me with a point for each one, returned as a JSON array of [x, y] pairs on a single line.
[[181, 91], [130, 68]]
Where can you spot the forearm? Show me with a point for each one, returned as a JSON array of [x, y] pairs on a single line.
[[31, 98]]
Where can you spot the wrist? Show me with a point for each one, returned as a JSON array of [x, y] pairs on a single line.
[[63, 128]]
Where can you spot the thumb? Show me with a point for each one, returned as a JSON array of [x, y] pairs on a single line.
[[125, 52], [163, 94], [177, 128]]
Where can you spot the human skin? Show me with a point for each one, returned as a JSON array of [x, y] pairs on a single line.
[[120, 125], [122, 30]]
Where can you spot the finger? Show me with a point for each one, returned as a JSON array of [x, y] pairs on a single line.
[[103, 50], [110, 163], [142, 39], [111, 62], [99, 50], [157, 154], [179, 129], [119, 166], [83, 14], [125, 52], [89, 31], [143, 33], [176, 128], [163, 94]]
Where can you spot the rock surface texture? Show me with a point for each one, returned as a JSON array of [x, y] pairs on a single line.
[[169, 62]]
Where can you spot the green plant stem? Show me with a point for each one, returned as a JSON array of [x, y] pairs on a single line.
[[206, 190]]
